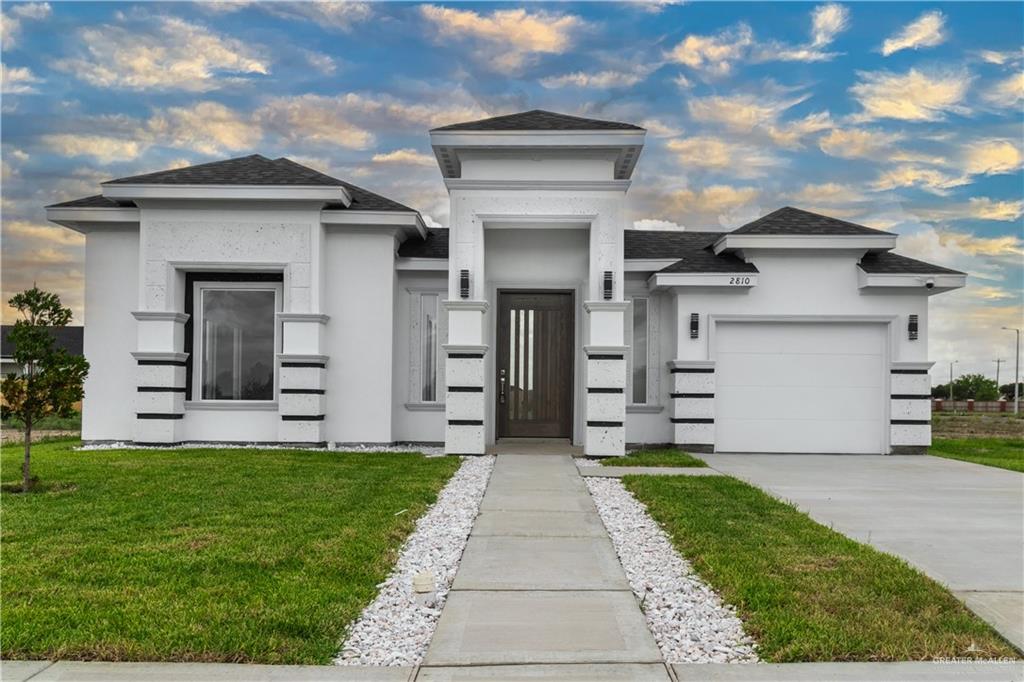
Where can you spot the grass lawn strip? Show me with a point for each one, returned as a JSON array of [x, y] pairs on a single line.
[[804, 592], [202, 555], [688, 620], [1005, 453], [666, 457], [395, 628]]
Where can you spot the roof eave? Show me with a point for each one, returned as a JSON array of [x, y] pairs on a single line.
[[86, 219], [133, 191], [731, 242], [409, 221], [928, 284]]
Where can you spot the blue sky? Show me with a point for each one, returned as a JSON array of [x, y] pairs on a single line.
[[903, 116]]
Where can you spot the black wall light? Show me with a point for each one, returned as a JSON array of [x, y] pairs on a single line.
[[608, 285], [912, 327], [694, 325], [464, 283]]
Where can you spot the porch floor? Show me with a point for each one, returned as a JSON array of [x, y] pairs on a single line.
[[535, 446]]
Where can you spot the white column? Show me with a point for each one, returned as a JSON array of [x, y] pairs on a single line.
[[160, 376], [693, 402], [465, 377], [302, 400], [910, 408], [605, 433]]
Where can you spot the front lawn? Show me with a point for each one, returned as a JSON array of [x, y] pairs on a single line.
[[666, 457], [201, 555], [804, 592], [1005, 453]]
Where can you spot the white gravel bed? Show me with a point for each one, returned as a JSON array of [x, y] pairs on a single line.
[[688, 619], [395, 628], [587, 462], [429, 451]]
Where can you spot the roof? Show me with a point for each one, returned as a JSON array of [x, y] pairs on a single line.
[[246, 170], [693, 249], [893, 263], [68, 338], [794, 221], [434, 246], [538, 119]]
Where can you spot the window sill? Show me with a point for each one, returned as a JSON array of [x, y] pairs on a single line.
[[644, 409], [425, 407], [230, 405]]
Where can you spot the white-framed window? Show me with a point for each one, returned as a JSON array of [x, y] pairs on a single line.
[[426, 360], [642, 337], [235, 340]]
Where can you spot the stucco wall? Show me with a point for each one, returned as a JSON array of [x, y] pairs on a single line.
[[111, 294]]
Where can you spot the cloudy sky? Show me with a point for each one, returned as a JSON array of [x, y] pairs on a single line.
[[899, 116]]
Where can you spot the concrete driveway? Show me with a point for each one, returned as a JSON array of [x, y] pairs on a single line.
[[961, 523]]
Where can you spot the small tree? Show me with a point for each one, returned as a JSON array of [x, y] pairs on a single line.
[[1006, 390], [975, 387], [51, 379]]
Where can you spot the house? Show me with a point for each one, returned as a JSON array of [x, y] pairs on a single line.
[[257, 300], [68, 338]]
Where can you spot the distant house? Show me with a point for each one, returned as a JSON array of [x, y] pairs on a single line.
[[257, 300], [68, 338]]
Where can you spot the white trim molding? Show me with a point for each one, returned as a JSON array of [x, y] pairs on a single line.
[[742, 281], [85, 220], [207, 192], [160, 316], [303, 317], [875, 282], [562, 185], [457, 304], [799, 242]]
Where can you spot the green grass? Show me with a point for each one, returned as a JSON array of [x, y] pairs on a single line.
[[72, 423], [804, 592], [655, 458], [201, 555], [1005, 453]]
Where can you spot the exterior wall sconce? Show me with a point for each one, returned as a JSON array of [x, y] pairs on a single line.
[[608, 285], [464, 283], [912, 327], [694, 325]]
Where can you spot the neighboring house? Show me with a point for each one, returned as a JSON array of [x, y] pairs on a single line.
[[68, 338], [257, 300]]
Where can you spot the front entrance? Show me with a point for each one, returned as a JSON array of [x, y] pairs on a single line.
[[535, 364]]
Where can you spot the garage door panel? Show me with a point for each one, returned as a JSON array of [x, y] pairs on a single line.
[[800, 387], [813, 371], [798, 435], [777, 403], [799, 338]]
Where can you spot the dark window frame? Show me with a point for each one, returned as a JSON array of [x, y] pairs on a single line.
[[190, 280]]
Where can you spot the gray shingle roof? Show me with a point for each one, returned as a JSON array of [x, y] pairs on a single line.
[[247, 170], [434, 246], [538, 119], [95, 201], [68, 338], [693, 249], [794, 221], [893, 263]]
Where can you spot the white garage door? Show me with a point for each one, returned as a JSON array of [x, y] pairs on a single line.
[[800, 387]]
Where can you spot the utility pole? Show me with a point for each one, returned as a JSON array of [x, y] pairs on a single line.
[[1016, 372], [953, 362], [998, 362]]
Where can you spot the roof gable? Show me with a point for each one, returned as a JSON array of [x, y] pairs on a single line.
[[794, 221], [539, 119]]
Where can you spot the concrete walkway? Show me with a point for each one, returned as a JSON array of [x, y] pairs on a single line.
[[961, 523], [540, 584]]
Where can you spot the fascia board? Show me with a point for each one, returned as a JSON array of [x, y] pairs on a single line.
[[870, 242], [537, 138], [87, 219], [887, 280], [725, 280], [200, 192], [403, 219]]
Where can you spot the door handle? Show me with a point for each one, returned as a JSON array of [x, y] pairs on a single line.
[[501, 391]]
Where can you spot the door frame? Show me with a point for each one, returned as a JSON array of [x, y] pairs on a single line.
[[574, 332]]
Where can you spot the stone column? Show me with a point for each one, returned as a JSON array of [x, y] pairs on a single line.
[[160, 377], [693, 404], [910, 407], [605, 409], [302, 400], [465, 378]]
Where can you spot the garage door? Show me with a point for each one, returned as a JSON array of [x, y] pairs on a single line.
[[800, 387]]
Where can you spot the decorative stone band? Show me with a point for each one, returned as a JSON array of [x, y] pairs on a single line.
[[606, 400], [302, 400], [910, 408], [160, 396], [693, 404], [464, 403]]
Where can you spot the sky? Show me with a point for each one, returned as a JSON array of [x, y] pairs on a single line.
[[901, 116]]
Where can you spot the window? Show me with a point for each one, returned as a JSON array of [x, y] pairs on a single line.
[[429, 335], [639, 351], [235, 339], [426, 363]]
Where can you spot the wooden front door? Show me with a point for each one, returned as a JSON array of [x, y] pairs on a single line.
[[534, 364]]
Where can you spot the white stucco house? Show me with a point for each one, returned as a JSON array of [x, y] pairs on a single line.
[[257, 300]]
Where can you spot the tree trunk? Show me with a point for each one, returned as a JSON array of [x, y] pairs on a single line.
[[25, 466]]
